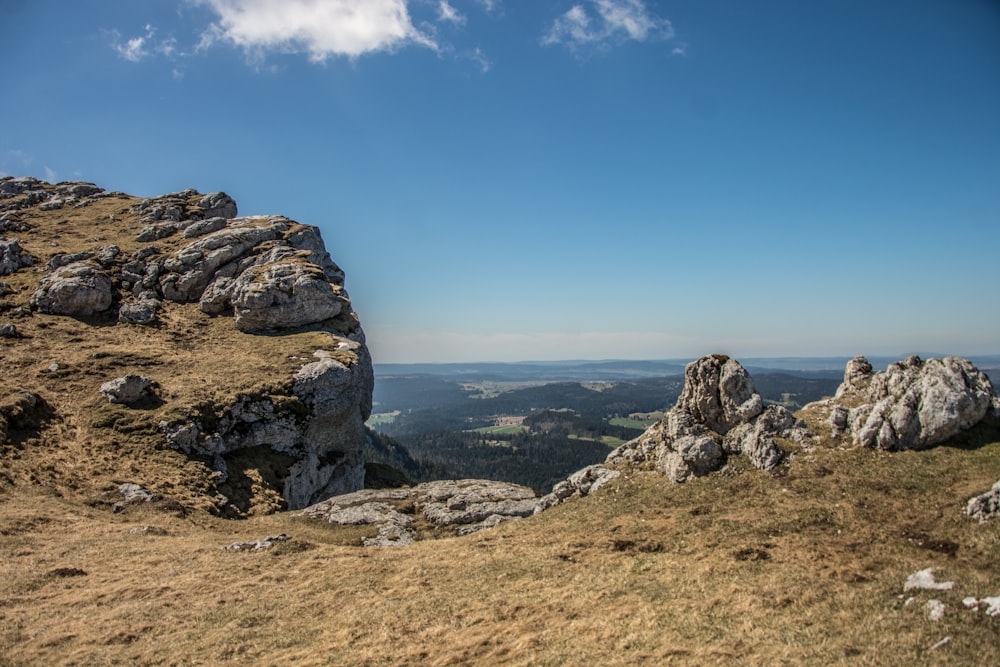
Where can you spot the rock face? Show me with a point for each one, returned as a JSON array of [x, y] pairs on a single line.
[[301, 434], [914, 404], [719, 412]]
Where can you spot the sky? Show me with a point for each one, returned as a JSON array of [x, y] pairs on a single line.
[[509, 180]]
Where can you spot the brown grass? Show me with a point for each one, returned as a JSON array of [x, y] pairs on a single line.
[[802, 567]]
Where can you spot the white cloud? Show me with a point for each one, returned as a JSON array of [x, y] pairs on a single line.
[[608, 20], [51, 176], [139, 48], [321, 28], [447, 13]]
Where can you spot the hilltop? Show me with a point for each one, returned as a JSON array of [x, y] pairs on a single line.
[[162, 528]]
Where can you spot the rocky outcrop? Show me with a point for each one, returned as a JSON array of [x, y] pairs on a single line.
[[299, 436], [913, 404], [461, 506], [311, 437], [718, 413], [13, 257]]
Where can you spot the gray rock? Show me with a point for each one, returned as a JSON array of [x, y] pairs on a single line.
[[9, 331], [466, 506], [133, 494], [157, 231], [917, 404], [258, 545], [283, 295], [719, 412], [13, 257], [77, 289], [985, 506], [128, 389], [140, 312], [204, 227], [64, 259], [218, 205]]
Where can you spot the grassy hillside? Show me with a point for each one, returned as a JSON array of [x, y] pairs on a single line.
[[805, 566]]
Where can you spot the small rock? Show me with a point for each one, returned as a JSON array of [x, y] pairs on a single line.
[[77, 289], [258, 545], [148, 530], [985, 506], [9, 331], [143, 312], [924, 580], [13, 257], [935, 610], [127, 389]]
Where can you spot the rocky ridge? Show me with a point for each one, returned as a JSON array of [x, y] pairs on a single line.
[[187, 256], [719, 414]]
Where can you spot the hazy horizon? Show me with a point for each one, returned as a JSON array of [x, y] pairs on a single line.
[[581, 179]]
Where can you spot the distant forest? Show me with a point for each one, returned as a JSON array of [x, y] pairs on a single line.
[[440, 427]]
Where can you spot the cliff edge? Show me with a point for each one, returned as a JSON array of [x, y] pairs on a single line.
[[219, 359]]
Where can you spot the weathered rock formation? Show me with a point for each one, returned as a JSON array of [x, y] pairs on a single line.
[[301, 434], [719, 412], [914, 404], [985, 506]]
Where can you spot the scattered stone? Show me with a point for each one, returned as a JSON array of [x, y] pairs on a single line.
[[67, 572], [9, 331], [924, 580], [935, 610], [128, 389], [985, 506], [940, 643], [148, 530], [258, 545], [6, 289], [133, 494]]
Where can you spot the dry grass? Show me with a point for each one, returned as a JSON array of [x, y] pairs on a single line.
[[802, 566]]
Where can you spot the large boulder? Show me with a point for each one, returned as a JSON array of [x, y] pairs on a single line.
[[78, 289], [913, 404], [282, 295]]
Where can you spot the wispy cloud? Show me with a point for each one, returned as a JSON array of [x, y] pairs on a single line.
[[607, 21], [139, 48], [348, 28], [50, 175], [448, 14]]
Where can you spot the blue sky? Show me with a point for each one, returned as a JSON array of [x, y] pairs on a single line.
[[544, 179]]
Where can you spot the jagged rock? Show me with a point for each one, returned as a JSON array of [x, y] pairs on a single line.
[[13, 257], [915, 404], [719, 393], [581, 483], [985, 506], [283, 295], [128, 389], [320, 434], [78, 289], [218, 205], [719, 412]]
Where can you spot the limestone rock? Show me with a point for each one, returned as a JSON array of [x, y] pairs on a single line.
[[140, 312], [77, 289], [719, 412], [465, 506], [283, 295], [316, 439], [916, 404], [128, 389], [719, 393], [985, 506], [581, 483], [13, 257], [218, 205], [258, 545]]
